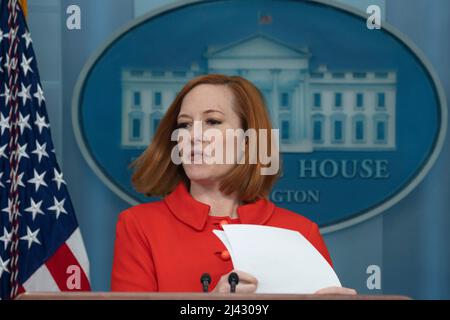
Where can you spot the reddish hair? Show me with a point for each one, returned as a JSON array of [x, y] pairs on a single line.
[[156, 175]]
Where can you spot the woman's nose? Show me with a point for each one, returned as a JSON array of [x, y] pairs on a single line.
[[196, 132]]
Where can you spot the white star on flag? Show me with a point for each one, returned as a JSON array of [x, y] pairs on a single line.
[[27, 37], [35, 208], [1, 184], [3, 266], [22, 151], [2, 35], [39, 94], [38, 180], [58, 178], [13, 33], [26, 64], [25, 93], [1, 58], [31, 237], [2, 151], [6, 94], [10, 64], [19, 181], [58, 207], [40, 151], [40, 122], [23, 122], [4, 123], [6, 238], [8, 209]]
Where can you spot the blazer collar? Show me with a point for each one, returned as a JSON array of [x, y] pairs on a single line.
[[195, 213]]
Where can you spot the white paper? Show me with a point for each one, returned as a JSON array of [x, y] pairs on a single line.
[[282, 260]]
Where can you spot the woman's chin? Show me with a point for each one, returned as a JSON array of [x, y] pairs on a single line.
[[198, 172]]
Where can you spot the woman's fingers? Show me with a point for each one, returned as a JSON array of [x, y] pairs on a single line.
[[245, 288], [246, 277], [240, 288]]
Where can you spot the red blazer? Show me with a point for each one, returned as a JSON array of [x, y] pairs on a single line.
[[167, 245]]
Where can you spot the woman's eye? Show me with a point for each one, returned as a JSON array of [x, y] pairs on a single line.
[[213, 122], [182, 125]]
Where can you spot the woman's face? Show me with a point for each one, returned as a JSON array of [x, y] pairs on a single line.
[[211, 106]]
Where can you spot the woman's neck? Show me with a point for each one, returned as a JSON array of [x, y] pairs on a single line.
[[221, 205]]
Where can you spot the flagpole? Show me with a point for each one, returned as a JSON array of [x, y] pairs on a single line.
[[24, 7]]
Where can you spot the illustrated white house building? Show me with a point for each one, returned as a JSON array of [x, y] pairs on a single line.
[[316, 109]]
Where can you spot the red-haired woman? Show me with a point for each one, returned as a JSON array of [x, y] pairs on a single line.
[[168, 244]]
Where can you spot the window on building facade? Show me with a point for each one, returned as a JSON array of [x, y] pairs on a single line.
[[285, 100], [318, 128], [381, 100], [157, 98], [338, 99], [317, 100], [338, 128], [285, 130], [136, 99], [381, 128], [135, 126], [359, 125], [359, 100]]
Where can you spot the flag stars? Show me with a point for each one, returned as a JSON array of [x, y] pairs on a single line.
[[3, 266], [58, 207], [31, 237], [25, 64], [40, 123], [13, 33], [6, 238], [38, 180], [10, 64], [1, 184], [6, 94], [4, 123], [40, 151], [35, 208], [8, 209], [2, 35], [23, 151], [23, 122], [27, 37], [25, 93], [58, 178], [19, 180], [2, 151], [39, 94]]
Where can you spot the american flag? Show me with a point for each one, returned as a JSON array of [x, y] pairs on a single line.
[[264, 18], [41, 248]]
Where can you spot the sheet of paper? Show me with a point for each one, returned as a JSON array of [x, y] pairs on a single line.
[[282, 260]]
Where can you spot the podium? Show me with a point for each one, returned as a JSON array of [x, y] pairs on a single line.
[[194, 296]]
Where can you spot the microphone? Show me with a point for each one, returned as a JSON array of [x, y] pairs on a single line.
[[205, 279], [233, 280]]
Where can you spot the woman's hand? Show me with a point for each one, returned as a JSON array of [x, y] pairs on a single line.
[[336, 290], [247, 283]]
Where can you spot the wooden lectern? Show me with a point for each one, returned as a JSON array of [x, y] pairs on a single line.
[[194, 296]]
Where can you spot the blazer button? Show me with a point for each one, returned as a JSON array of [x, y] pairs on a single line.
[[225, 255]]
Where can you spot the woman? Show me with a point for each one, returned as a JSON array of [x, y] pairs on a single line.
[[167, 245]]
